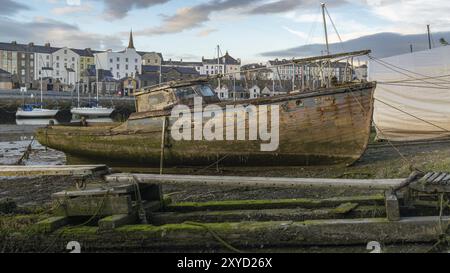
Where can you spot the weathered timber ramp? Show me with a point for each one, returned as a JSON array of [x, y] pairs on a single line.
[[75, 171], [260, 182]]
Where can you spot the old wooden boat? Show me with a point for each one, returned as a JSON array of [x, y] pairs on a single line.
[[330, 125]]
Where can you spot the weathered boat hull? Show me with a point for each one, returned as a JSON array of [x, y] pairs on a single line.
[[321, 128]]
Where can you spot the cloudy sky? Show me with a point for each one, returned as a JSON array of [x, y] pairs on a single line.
[[253, 30]]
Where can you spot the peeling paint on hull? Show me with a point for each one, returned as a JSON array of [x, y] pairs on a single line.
[[321, 128]]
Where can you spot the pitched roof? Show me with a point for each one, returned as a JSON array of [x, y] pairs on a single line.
[[279, 62], [3, 72], [103, 75], [47, 49], [142, 53], [226, 59], [166, 69], [181, 63], [85, 52]]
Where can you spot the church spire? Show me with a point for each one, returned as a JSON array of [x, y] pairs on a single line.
[[131, 43]]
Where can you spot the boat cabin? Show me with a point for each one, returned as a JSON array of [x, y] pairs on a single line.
[[165, 97]]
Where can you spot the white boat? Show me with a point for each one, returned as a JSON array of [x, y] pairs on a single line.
[[92, 111], [30, 111], [34, 110], [96, 111]]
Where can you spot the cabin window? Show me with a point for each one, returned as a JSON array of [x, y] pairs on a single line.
[[205, 90], [185, 94]]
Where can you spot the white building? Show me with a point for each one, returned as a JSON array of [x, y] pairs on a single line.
[[43, 61], [224, 65], [124, 64], [255, 92], [66, 66], [273, 90], [223, 93], [283, 70]]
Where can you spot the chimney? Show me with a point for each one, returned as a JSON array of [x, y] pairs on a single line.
[[14, 42], [47, 44], [31, 44]]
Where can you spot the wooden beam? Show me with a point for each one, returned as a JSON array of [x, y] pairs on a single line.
[[297, 214], [247, 235], [255, 182], [375, 200], [76, 170]]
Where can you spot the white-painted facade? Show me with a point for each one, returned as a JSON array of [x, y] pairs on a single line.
[[65, 66], [255, 92], [123, 64], [223, 93], [43, 60]]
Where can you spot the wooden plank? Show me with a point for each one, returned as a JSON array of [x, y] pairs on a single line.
[[298, 214], [121, 190], [375, 200], [255, 182], [247, 235], [76, 170], [98, 206]]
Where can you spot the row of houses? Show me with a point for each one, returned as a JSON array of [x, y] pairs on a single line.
[[70, 68], [286, 70], [238, 92]]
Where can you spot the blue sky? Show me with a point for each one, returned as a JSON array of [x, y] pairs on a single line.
[[190, 29]]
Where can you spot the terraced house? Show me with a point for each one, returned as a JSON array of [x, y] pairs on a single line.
[[19, 61]]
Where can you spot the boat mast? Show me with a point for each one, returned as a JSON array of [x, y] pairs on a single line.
[[96, 78], [218, 63], [325, 27], [429, 36], [78, 90], [42, 99]]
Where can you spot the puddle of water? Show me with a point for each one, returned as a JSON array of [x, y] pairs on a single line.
[[14, 141]]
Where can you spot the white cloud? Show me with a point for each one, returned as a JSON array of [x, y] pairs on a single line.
[[84, 8]]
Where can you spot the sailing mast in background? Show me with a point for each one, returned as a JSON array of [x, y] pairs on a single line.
[[218, 65], [325, 27], [429, 37]]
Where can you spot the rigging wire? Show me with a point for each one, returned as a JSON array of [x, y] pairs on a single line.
[[414, 116], [335, 28]]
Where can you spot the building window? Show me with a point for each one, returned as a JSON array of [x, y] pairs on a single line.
[[57, 58], [48, 57], [126, 67], [65, 51], [118, 66], [73, 59], [118, 59], [126, 60]]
